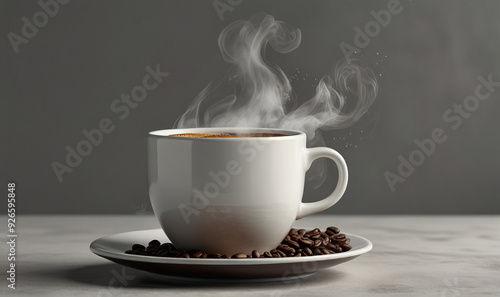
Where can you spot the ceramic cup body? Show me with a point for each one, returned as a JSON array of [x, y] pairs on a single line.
[[232, 195]]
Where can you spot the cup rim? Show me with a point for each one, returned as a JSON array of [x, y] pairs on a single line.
[[169, 132]]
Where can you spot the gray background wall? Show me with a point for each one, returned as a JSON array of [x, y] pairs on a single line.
[[64, 79]]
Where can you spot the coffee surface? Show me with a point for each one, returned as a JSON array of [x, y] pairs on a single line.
[[227, 135]]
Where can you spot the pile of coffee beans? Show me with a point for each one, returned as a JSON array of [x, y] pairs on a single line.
[[297, 243]]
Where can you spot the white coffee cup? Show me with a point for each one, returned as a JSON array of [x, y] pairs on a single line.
[[233, 195]]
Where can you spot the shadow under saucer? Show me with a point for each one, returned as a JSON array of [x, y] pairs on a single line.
[[116, 276]]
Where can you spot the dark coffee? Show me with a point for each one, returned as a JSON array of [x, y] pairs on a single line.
[[227, 135]]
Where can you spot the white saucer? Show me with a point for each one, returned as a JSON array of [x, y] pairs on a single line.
[[113, 248]]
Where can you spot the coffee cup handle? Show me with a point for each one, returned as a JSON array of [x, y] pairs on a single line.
[[312, 154]]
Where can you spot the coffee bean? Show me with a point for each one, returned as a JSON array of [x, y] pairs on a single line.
[[151, 250], [162, 253], [239, 256], [295, 237], [185, 255], [335, 247], [340, 236], [323, 249], [332, 230], [345, 247], [341, 241], [268, 255], [317, 242], [167, 246], [308, 252], [314, 234], [154, 242], [285, 248], [282, 254], [214, 256], [174, 252], [138, 247], [317, 251], [328, 252], [255, 254], [197, 254], [306, 242], [292, 243], [325, 241], [301, 232]]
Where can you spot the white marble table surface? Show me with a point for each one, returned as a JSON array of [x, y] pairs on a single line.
[[412, 256]]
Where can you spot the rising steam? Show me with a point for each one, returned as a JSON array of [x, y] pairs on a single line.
[[256, 94]]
